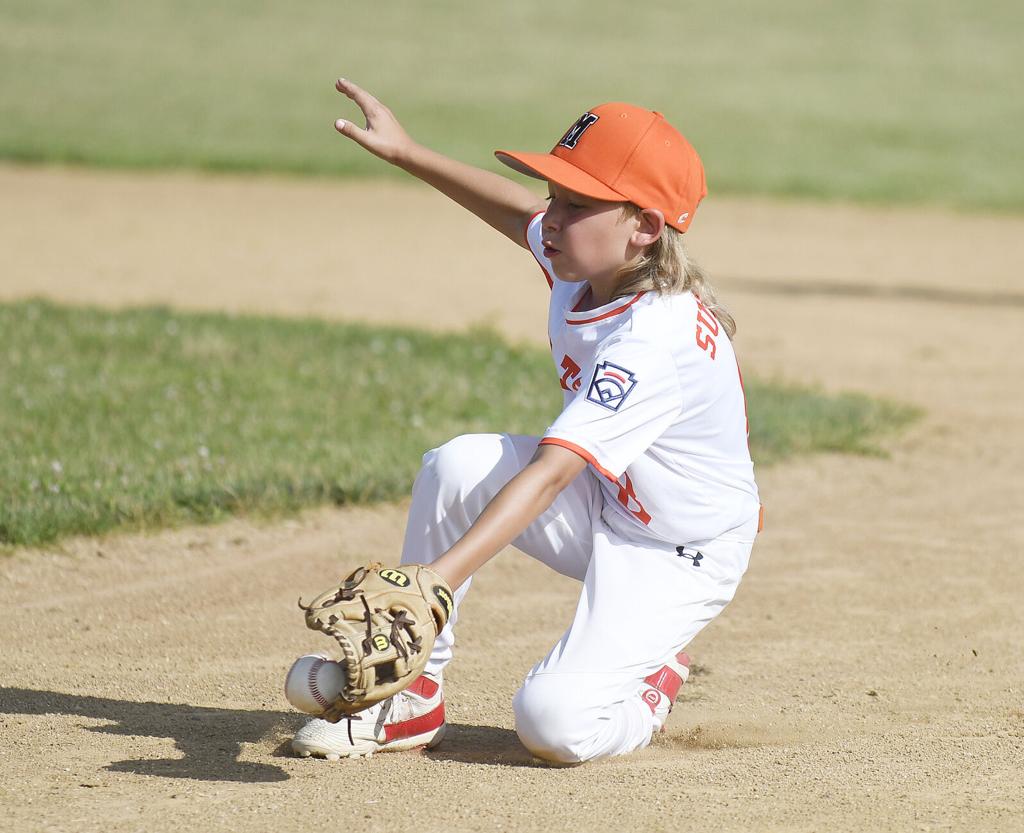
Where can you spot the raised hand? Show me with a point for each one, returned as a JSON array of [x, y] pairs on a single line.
[[499, 202], [383, 136]]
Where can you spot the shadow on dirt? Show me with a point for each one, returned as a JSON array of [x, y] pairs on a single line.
[[471, 744], [211, 739]]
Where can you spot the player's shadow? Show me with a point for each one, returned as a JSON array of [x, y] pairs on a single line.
[[211, 739], [471, 744]]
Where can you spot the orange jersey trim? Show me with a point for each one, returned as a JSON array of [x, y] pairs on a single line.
[[526, 240], [526, 228], [581, 452], [610, 313]]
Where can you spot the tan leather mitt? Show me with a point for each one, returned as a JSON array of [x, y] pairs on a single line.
[[386, 620]]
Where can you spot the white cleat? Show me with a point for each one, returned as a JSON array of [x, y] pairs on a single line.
[[411, 719]]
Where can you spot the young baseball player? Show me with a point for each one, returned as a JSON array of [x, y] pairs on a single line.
[[642, 489]]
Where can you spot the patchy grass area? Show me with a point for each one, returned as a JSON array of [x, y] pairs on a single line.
[[144, 418], [876, 101], [786, 420]]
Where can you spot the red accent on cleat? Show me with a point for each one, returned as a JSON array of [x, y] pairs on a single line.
[[652, 698], [424, 687], [417, 726], [666, 680]]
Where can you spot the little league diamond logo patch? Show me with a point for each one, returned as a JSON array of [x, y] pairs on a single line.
[[611, 385]]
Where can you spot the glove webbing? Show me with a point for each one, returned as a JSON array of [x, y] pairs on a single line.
[[397, 622]]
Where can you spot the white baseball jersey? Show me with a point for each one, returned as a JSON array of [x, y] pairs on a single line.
[[654, 402]]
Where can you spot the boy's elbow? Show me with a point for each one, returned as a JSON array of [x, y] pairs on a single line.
[[564, 477], [558, 467]]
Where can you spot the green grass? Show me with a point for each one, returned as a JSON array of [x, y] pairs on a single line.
[[146, 418], [786, 420], [878, 101]]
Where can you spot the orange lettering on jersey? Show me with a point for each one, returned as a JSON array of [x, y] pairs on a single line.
[[706, 317], [626, 494], [704, 341], [570, 379]]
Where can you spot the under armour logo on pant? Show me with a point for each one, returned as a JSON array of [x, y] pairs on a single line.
[[695, 557]]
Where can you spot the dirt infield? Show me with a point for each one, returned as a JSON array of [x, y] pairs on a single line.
[[868, 676]]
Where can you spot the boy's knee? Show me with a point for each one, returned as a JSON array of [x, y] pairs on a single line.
[[466, 460], [552, 721]]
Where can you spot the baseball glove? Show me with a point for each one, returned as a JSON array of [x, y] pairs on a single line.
[[385, 620]]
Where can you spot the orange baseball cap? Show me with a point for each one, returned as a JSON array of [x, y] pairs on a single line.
[[622, 153]]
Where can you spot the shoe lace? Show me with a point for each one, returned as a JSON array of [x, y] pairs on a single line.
[[386, 707]]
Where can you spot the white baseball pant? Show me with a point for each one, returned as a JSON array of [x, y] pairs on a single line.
[[641, 601]]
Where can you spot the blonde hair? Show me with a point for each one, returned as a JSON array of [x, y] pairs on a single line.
[[666, 268]]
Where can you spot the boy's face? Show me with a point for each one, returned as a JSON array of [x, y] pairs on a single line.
[[586, 239]]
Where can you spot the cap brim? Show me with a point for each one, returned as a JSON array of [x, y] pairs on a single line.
[[553, 169]]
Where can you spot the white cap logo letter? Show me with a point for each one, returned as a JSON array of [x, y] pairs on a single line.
[[572, 135]]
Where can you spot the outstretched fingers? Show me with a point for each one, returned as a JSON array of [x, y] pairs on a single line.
[[383, 135], [369, 104], [346, 128], [366, 102]]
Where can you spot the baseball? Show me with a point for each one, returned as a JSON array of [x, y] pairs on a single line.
[[313, 682]]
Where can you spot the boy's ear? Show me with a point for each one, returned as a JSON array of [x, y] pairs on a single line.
[[650, 225]]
